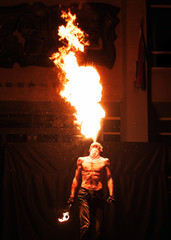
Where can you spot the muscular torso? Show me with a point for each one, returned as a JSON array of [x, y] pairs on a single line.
[[93, 172]]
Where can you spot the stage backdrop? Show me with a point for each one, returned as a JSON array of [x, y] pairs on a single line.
[[37, 179]]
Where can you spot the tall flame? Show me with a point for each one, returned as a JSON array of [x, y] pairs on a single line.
[[82, 86]]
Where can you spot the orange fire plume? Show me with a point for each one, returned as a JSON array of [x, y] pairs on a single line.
[[82, 86]]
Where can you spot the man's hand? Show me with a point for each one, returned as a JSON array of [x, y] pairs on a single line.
[[70, 201], [111, 199]]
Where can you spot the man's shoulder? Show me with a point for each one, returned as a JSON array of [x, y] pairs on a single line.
[[105, 160], [81, 159]]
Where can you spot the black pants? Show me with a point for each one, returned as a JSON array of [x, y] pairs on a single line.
[[91, 213]]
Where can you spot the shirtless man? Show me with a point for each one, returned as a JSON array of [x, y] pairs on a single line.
[[92, 170]]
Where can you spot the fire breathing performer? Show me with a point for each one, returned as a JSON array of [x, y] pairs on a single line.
[[92, 170]]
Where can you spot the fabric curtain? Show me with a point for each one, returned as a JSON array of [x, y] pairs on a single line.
[[36, 180]]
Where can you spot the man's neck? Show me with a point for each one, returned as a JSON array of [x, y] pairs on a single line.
[[93, 156]]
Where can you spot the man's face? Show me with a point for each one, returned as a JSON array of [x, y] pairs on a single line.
[[94, 151]]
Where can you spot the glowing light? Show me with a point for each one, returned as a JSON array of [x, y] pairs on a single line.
[[64, 218], [82, 86]]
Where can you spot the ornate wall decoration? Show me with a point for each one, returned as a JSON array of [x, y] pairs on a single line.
[[28, 33]]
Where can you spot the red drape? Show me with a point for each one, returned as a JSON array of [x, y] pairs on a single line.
[[141, 62]]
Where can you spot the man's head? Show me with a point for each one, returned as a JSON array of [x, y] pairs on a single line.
[[96, 145]]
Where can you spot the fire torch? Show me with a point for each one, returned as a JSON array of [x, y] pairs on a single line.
[[64, 214]]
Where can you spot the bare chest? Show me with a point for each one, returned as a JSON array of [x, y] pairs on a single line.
[[96, 165]]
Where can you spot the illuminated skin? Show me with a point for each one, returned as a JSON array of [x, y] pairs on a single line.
[[92, 169]]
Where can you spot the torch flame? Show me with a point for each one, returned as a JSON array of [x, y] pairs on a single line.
[[64, 218], [82, 86]]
